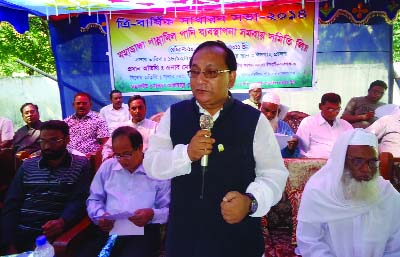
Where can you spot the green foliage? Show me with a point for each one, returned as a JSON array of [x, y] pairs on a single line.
[[32, 47], [396, 40]]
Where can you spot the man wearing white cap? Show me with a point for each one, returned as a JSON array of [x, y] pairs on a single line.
[[273, 110], [347, 208], [387, 129], [255, 95]]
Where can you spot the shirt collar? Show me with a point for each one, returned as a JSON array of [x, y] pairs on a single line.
[[36, 126], [322, 121], [117, 167], [65, 163], [226, 105], [87, 116], [140, 123]]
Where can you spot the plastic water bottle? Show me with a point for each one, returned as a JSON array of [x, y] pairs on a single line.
[[43, 248]]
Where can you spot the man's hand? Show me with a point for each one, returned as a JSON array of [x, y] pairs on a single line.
[[367, 116], [105, 224], [142, 216], [235, 207], [200, 144], [53, 228]]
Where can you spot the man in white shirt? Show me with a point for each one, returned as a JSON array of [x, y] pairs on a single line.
[[216, 205], [116, 112], [255, 92], [347, 209], [146, 127], [6, 132], [318, 133], [387, 129]]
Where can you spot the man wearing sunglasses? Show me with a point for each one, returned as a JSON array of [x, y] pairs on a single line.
[[48, 193], [347, 209], [216, 207], [318, 133]]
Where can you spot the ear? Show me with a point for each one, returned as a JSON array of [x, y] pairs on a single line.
[[140, 147], [232, 79], [67, 139], [320, 106]]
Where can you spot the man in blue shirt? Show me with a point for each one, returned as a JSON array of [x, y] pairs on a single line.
[[273, 110], [122, 188]]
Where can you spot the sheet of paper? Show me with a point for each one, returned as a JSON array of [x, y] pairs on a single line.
[[282, 140], [116, 216], [124, 227]]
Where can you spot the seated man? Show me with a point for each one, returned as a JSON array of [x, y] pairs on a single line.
[[47, 195], [88, 130], [146, 127], [347, 208], [255, 92], [387, 129], [6, 132], [318, 133], [116, 112], [26, 138], [360, 111], [271, 108], [121, 185]]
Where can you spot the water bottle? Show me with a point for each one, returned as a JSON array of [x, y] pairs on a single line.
[[43, 248]]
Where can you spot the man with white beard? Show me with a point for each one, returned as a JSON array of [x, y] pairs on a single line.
[[273, 110], [347, 208]]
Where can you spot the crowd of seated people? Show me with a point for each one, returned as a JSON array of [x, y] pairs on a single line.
[[52, 189]]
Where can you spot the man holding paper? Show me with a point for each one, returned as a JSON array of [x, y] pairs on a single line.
[[123, 201]]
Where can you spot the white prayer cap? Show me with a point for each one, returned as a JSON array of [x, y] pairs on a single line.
[[271, 98], [254, 86], [363, 137]]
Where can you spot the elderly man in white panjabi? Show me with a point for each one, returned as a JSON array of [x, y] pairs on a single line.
[[347, 208]]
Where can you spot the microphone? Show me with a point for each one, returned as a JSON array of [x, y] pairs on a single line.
[[206, 123]]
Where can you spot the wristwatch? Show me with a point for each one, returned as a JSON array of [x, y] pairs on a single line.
[[253, 204]]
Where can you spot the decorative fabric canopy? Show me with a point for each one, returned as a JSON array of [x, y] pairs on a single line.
[[331, 11], [358, 11]]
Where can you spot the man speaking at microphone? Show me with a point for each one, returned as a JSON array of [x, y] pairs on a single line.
[[217, 215]]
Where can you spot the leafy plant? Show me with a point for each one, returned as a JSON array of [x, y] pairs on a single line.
[[32, 47], [396, 40]]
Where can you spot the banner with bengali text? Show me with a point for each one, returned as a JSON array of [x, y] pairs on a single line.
[[274, 46]]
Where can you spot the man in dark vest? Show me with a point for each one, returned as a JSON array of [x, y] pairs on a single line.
[[216, 207]]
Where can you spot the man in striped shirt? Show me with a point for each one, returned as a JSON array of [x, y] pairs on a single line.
[[48, 193]]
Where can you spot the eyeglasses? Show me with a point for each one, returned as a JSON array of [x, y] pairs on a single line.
[[210, 74], [334, 109], [359, 162], [51, 141], [123, 156]]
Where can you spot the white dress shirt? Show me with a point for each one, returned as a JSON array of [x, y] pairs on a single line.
[[317, 136], [146, 128], [163, 161], [116, 190], [6, 129], [387, 130], [113, 117]]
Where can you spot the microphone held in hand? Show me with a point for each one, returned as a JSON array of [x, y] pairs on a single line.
[[206, 123]]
